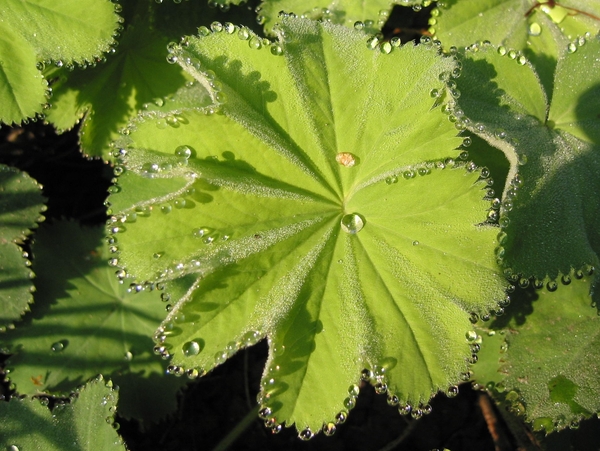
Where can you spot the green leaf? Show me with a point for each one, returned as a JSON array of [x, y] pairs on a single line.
[[85, 323], [317, 209], [109, 94], [20, 205], [549, 356], [547, 215], [70, 31], [22, 87], [372, 14], [85, 423], [539, 30]]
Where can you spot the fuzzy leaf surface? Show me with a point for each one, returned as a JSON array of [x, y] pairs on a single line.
[[538, 29], [71, 31], [548, 217], [83, 424], [21, 202], [85, 323], [22, 87], [313, 210], [343, 12], [550, 355], [108, 95]]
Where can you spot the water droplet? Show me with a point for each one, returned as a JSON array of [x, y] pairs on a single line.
[[346, 159], [572, 47], [391, 179], [171, 59], [128, 356], [380, 388], [255, 43], [502, 50], [534, 29], [471, 336], [352, 223], [12, 448], [552, 286], [306, 434], [183, 152], [565, 279], [372, 42], [452, 391], [59, 346], [265, 413], [191, 348], [392, 400], [276, 49], [350, 402], [404, 409], [329, 429], [341, 417]]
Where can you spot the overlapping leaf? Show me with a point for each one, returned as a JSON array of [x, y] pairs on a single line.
[[114, 91], [546, 364], [539, 29], [316, 208], [70, 31], [85, 323], [85, 423], [372, 14], [21, 202], [549, 212]]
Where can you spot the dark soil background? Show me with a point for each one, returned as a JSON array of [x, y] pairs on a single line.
[[211, 408]]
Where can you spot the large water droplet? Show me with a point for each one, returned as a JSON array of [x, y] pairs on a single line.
[[534, 29], [191, 348], [329, 429], [352, 223], [306, 434], [59, 346]]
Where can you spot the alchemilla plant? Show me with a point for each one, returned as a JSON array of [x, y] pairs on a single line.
[[409, 216]]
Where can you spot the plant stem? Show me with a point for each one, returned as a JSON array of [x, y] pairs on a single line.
[[237, 430]]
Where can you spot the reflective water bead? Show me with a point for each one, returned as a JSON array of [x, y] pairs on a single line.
[[255, 43], [350, 402], [359, 25], [372, 42], [191, 348], [183, 151], [565, 279], [366, 374], [341, 417], [306, 434], [354, 390], [452, 391], [352, 223], [380, 388], [166, 208], [392, 400], [265, 413], [244, 34], [534, 29], [329, 429], [58, 346], [502, 50]]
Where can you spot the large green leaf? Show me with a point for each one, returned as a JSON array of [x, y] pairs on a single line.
[[85, 423], [319, 208], [21, 202], [549, 213], [85, 323]]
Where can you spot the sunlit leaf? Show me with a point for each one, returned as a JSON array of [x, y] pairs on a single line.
[[319, 207]]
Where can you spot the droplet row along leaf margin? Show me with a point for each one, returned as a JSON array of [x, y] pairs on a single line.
[[547, 216], [312, 205]]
